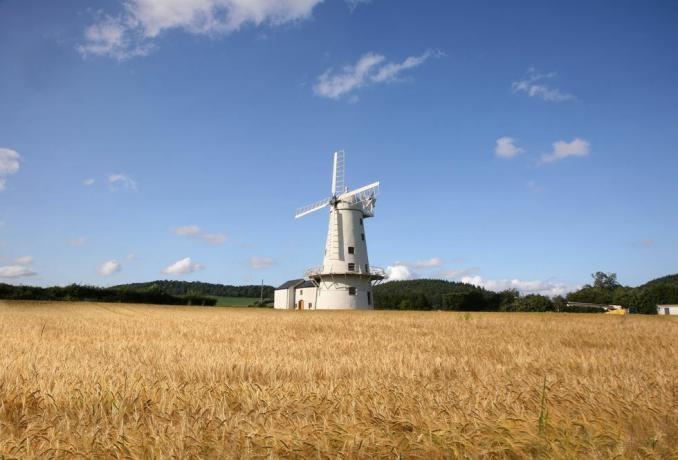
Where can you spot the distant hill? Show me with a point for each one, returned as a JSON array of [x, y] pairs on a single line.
[[182, 288], [668, 279], [435, 294]]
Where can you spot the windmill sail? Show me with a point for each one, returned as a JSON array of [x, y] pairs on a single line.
[[338, 171]]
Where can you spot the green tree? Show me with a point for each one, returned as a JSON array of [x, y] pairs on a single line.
[[603, 280]]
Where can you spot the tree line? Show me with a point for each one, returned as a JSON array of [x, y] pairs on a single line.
[[435, 294], [182, 288], [148, 295]]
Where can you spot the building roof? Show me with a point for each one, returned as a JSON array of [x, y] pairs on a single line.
[[307, 284], [290, 283]]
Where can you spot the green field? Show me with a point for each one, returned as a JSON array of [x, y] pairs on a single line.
[[235, 301]]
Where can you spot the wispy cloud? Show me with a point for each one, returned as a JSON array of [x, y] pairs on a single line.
[[182, 267], [15, 271], [561, 150], [353, 4], [88, 182], [534, 187], [187, 230], [135, 31], [370, 69], [533, 84], [213, 238], [79, 241], [109, 267], [506, 148], [458, 273], [25, 260], [9, 164], [548, 288], [259, 263], [195, 232], [424, 263], [122, 181]]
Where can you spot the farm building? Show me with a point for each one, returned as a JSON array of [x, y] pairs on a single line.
[[299, 294], [667, 309]]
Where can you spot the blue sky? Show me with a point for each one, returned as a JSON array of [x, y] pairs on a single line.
[[518, 144]]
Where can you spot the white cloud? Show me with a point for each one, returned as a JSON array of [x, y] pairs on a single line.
[[131, 256], [506, 148], [194, 231], [15, 271], [109, 267], [425, 263], [25, 260], [533, 85], [428, 263], [9, 161], [122, 181], [261, 262], [182, 266], [9, 164], [561, 150], [371, 68], [134, 31], [547, 288], [399, 272], [88, 182], [79, 241]]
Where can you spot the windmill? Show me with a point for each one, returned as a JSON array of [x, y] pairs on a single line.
[[344, 280]]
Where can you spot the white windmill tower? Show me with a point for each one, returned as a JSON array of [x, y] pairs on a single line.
[[345, 278]]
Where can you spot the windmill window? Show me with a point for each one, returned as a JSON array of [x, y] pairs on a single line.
[[351, 291], [367, 268], [301, 292], [369, 298], [351, 250], [361, 221], [351, 267], [363, 235]]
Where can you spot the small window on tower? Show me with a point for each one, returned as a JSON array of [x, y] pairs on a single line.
[[351, 250], [351, 291], [369, 298], [361, 221], [351, 267], [367, 268], [301, 292], [363, 235]]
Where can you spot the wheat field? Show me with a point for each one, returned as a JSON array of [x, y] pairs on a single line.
[[116, 380]]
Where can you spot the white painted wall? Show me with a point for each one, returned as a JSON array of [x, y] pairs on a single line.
[[667, 309], [280, 298], [333, 293], [308, 295], [346, 229]]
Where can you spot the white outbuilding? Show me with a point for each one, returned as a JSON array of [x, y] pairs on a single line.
[[299, 294], [667, 309]]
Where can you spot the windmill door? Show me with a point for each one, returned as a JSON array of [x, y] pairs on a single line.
[[301, 305]]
